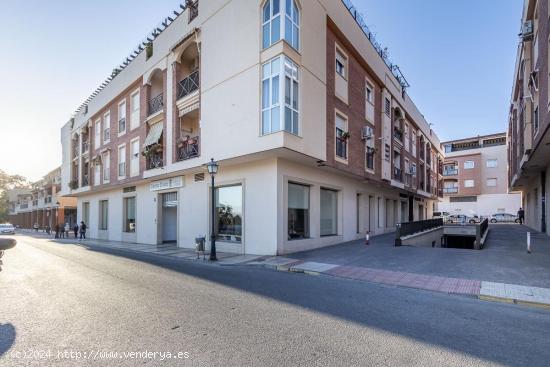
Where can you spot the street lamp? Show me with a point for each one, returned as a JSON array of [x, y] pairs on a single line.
[[212, 168]]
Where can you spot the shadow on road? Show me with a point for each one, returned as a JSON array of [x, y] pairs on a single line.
[[7, 337]]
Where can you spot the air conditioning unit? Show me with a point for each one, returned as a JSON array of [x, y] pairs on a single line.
[[527, 30], [366, 133]]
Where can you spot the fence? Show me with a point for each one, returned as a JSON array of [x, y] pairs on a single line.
[[408, 228]]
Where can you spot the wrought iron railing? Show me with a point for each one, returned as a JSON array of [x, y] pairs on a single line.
[[189, 84], [155, 161], [156, 104], [450, 190], [342, 148], [450, 172], [193, 9], [409, 228], [189, 149]]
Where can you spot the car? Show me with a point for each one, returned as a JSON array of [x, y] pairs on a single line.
[[443, 215], [457, 218], [7, 228], [504, 218]]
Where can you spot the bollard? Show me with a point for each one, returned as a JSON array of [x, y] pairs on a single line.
[[367, 238], [528, 242]]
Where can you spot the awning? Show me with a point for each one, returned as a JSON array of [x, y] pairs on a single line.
[[154, 134], [188, 109]]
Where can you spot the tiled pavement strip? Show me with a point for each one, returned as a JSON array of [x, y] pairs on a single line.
[[510, 293]]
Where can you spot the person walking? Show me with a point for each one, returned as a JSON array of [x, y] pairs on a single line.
[[82, 230], [521, 215], [75, 230], [56, 229], [61, 231]]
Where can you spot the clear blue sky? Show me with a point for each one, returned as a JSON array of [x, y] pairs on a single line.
[[457, 55]]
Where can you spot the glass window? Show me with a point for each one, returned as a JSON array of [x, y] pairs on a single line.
[[122, 118], [106, 127], [229, 213], [122, 161], [86, 212], [103, 215], [370, 158], [298, 211], [469, 164], [491, 182], [341, 139], [341, 62], [273, 31], [492, 163], [280, 81], [106, 160], [329, 212], [369, 93], [468, 183], [130, 214]]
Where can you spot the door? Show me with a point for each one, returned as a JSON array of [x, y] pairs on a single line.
[[170, 217]]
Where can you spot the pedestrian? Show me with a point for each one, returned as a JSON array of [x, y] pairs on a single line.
[[75, 230], [67, 230], [56, 229], [36, 226], [82, 230], [61, 231], [521, 215]]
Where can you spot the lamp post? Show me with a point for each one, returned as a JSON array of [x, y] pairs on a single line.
[[212, 167]]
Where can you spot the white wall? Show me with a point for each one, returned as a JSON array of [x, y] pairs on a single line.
[[485, 205]]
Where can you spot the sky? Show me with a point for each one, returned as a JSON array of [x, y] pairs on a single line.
[[458, 57]]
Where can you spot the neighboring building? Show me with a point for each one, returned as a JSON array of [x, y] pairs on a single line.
[[316, 138], [475, 177], [41, 204], [529, 138]]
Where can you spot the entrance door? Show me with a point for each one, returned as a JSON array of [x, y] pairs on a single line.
[[404, 212], [170, 217], [420, 212]]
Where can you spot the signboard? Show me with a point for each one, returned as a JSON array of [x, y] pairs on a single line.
[[169, 183]]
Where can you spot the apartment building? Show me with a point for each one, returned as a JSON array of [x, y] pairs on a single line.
[[41, 204], [529, 139], [316, 138], [475, 177]]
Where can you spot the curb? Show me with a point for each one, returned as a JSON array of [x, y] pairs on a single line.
[[514, 301]]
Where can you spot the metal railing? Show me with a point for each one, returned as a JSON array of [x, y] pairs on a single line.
[[450, 190], [190, 149], [341, 148], [398, 134], [154, 161], [408, 228], [450, 172], [407, 179], [189, 84], [193, 9], [156, 104], [397, 174]]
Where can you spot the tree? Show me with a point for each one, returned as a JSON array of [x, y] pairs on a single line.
[[8, 182]]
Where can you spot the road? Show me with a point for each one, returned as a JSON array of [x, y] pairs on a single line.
[[72, 305]]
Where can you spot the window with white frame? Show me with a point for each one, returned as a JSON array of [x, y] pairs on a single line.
[[492, 163], [106, 127], [341, 140], [413, 143], [134, 110], [273, 31], [369, 93], [121, 117], [280, 82], [469, 164], [469, 183], [97, 134], [122, 161], [341, 64], [329, 212], [106, 160], [134, 158], [298, 211], [491, 182], [103, 215]]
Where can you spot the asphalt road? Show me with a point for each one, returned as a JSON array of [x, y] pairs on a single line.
[[70, 305]]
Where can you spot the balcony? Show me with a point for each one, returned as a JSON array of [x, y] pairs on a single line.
[[188, 85], [398, 135], [450, 190], [156, 104], [155, 160], [397, 174], [407, 179], [188, 148], [450, 172], [342, 148]]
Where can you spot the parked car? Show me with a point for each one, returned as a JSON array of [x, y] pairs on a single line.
[[504, 218], [457, 218], [444, 215], [7, 228]]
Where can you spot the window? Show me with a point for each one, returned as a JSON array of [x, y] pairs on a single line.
[[122, 161], [106, 160], [341, 137], [413, 169], [122, 118], [341, 64], [468, 183], [97, 134], [134, 158], [129, 206], [387, 107], [369, 158], [469, 164], [369, 93], [379, 212], [274, 89], [491, 182], [329, 212], [492, 163], [106, 128], [103, 215], [135, 110], [298, 211], [406, 135], [413, 143], [229, 212], [271, 23], [536, 120]]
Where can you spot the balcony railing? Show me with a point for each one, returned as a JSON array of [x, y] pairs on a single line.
[[189, 149], [450, 172], [450, 190], [189, 84], [342, 148], [397, 174], [398, 134], [155, 160], [156, 104], [23, 206]]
